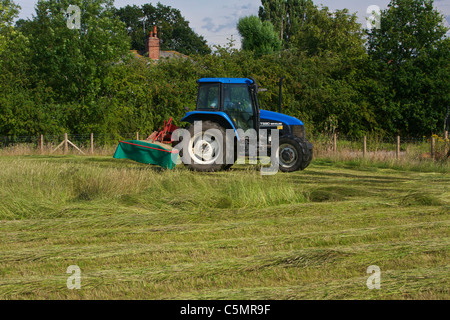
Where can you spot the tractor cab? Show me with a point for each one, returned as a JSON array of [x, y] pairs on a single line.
[[235, 97]]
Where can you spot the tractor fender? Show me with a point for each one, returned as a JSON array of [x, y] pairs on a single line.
[[216, 116], [266, 115]]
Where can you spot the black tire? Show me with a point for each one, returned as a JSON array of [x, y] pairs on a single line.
[[294, 153], [235, 155], [308, 153], [206, 152]]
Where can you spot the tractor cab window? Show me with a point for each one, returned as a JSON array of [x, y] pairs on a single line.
[[238, 105], [208, 96]]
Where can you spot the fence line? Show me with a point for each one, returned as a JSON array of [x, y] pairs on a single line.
[[365, 147], [434, 147]]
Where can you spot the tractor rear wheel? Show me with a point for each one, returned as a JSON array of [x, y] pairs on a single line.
[[206, 149]]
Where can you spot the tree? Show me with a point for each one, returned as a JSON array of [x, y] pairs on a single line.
[[337, 32], [411, 54], [408, 28], [173, 30], [73, 62], [333, 45], [258, 36], [303, 25], [287, 16], [134, 21], [17, 103], [8, 11]]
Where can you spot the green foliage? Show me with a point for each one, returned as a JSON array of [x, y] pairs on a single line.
[[287, 16], [18, 110], [54, 79], [10, 39], [142, 96], [408, 29], [337, 32], [73, 62], [303, 25], [8, 11], [258, 36], [173, 30]]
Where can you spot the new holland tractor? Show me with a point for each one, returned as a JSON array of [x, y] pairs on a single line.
[[218, 132]]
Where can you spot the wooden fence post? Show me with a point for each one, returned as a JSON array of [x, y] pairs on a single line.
[[42, 144], [92, 143], [398, 148], [446, 143], [66, 147], [137, 135], [364, 147], [335, 143], [432, 148]]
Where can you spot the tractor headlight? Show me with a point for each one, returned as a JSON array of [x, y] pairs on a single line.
[[298, 131]]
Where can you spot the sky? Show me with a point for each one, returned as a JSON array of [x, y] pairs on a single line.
[[216, 20]]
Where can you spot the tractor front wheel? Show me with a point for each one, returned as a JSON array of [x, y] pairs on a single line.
[[294, 154]]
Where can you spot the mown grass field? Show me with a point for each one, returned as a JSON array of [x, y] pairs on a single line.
[[138, 232]]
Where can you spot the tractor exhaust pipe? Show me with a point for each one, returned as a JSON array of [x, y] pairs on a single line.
[[280, 101]]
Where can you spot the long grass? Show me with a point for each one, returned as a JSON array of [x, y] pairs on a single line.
[[140, 232]]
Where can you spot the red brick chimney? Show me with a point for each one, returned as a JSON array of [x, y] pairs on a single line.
[[153, 45]]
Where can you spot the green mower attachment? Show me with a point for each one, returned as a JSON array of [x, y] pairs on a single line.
[[148, 153]]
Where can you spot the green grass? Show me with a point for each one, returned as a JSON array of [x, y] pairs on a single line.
[[138, 232]]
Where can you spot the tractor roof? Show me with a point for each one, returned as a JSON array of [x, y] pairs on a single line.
[[227, 80]]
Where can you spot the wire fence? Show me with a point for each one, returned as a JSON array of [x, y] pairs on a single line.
[[382, 148], [97, 144], [345, 147]]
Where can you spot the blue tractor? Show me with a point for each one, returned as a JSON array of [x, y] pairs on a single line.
[[225, 104]]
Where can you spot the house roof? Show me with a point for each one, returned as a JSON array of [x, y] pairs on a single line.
[[162, 54], [227, 80]]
